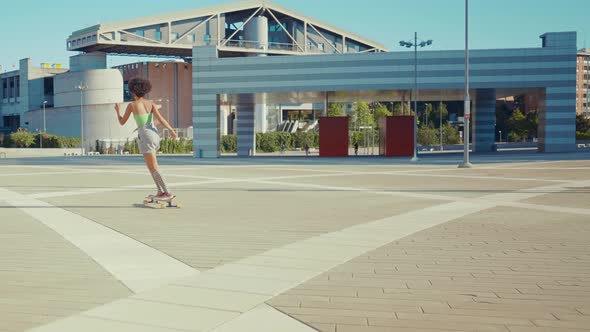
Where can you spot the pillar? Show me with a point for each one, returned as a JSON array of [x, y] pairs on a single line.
[[206, 126], [557, 120], [484, 120], [246, 133]]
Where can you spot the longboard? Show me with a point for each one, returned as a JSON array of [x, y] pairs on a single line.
[[153, 202]]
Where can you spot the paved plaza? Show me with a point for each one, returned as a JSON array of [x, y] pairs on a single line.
[[297, 244]]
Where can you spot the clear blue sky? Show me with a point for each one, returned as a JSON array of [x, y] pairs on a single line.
[[39, 29]]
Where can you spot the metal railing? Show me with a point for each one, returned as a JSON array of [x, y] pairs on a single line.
[[252, 44]]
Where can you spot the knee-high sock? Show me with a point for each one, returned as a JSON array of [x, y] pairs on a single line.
[[160, 182], [158, 187]]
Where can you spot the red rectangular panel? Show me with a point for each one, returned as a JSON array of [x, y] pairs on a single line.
[[397, 136], [334, 137]]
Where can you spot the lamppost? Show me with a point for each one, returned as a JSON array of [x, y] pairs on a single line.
[[467, 102], [167, 108], [500, 136], [80, 87], [441, 125], [44, 127], [415, 45]]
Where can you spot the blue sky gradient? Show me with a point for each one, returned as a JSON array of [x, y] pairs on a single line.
[[39, 29]]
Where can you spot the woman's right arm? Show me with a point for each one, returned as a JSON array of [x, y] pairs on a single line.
[[123, 119]]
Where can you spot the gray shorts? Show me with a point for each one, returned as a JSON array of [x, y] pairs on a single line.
[[149, 139]]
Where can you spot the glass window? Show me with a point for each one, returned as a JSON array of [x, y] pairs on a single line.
[[158, 34], [207, 39], [11, 87], [4, 88], [140, 32], [17, 86], [191, 38], [321, 46], [175, 35], [48, 86]]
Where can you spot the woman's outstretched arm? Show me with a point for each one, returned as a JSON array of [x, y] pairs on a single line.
[[123, 119]]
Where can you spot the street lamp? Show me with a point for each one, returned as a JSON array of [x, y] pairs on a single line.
[[167, 108], [467, 102], [80, 87], [415, 45], [44, 127]]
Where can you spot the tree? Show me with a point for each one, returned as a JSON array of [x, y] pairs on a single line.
[[532, 123], [517, 126], [427, 111], [434, 117], [380, 111], [397, 109], [362, 114], [335, 109], [502, 115], [582, 124]]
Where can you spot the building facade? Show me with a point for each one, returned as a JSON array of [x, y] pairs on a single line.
[[547, 72], [583, 83], [25, 89]]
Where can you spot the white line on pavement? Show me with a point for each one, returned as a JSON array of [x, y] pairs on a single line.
[[135, 264]]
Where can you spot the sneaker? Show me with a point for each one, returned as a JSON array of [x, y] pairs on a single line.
[[165, 196]]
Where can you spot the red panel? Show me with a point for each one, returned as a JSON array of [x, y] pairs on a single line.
[[397, 136], [334, 137]]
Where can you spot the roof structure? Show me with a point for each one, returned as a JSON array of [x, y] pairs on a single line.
[[286, 32]]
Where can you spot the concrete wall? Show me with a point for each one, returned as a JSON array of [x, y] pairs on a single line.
[[104, 86], [88, 61], [100, 122]]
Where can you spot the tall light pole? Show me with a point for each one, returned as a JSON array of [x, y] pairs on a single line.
[[167, 107], [415, 45], [80, 87], [467, 103], [441, 124], [44, 126]]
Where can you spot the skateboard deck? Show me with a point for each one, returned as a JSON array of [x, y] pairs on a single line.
[[153, 202]]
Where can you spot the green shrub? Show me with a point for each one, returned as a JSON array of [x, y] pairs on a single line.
[[176, 146], [7, 142], [229, 144], [268, 142], [55, 142], [312, 139], [22, 138], [582, 136], [131, 147], [428, 136], [451, 135], [272, 142]]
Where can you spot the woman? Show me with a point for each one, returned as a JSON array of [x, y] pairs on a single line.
[[144, 111]]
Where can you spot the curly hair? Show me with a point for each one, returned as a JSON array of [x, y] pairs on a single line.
[[139, 86]]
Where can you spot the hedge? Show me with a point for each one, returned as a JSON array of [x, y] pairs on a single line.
[[25, 139], [582, 136]]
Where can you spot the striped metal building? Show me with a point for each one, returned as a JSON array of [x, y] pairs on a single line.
[[548, 72]]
